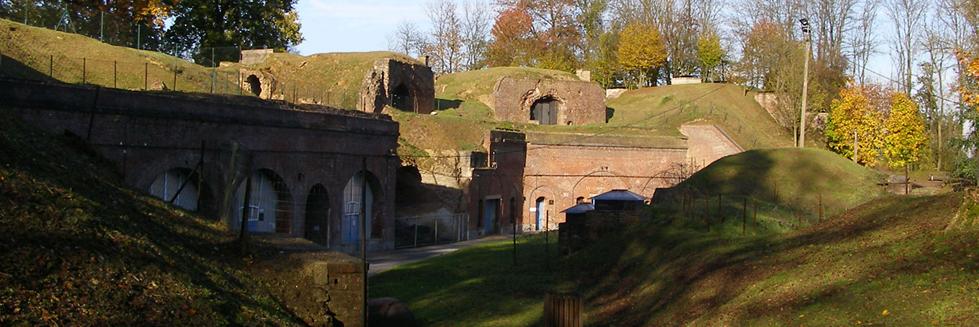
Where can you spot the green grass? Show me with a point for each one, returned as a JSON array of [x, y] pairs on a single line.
[[785, 186], [81, 249], [664, 109], [888, 262], [35, 52]]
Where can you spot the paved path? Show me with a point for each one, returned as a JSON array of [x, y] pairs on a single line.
[[384, 261]]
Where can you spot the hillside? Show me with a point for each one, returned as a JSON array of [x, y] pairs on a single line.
[[887, 262], [784, 188], [334, 79], [35, 52], [665, 108], [80, 249]]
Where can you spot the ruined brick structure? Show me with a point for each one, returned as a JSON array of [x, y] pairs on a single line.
[[568, 102], [400, 84], [531, 178], [306, 166]]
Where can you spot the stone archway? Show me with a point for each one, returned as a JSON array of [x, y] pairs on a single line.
[[184, 188], [318, 215], [354, 194], [269, 206], [402, 99], [254, 85], [545, 111]]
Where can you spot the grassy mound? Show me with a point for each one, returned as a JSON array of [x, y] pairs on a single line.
[[782, 188], [36, 52], [334, 79], [887, 262], [80, 249], [666, 108]]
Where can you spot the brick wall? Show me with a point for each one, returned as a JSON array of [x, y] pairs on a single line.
[[579, 102]]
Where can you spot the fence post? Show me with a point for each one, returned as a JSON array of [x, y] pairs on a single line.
[[239, 83], [146, 76], [175, 77], [820, 207], [84, 70], [744, 216], [436, 223], [115, 78], [562, 310], [51, 66]]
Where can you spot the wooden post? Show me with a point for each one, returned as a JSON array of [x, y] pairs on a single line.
[[51, 66], [744, 216], [245, 209], [562, 310], [820, 207], [146, 76], [175, 77], [363, 232], [84, 70], [115, 75]]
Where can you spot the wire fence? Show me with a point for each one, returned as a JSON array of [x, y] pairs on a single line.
[[432, 229]]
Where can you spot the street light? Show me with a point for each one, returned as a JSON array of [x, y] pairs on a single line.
[[805, 84]]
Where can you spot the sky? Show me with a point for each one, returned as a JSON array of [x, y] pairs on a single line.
[[365, 25], [354, 25]]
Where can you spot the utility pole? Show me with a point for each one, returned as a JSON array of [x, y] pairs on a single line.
[[805, 83], [363, 230]]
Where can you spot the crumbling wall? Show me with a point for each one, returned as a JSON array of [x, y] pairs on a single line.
[[579, 102], [382, 83]]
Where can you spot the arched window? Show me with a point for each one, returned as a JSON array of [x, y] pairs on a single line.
[[363, 187], [269, 207]]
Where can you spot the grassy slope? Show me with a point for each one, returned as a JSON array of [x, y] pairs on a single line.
[[666, 108], [887, 262], [34, 47], [334, 79], [79, 249], [783, 185], [890, 253]]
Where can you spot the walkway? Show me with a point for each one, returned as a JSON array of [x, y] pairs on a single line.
[[384, 261]]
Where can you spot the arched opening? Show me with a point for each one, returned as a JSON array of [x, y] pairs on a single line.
[[362, 188], [269, 206], [540, 212], [401, 98], [544, 111], [183, 188], [254, 84], [318, 215]]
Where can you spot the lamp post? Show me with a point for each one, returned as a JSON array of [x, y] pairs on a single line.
[[805, 83]]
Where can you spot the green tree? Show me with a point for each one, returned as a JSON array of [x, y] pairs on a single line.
[[906, 139], [709, 53], [199, 25], [641, 51]]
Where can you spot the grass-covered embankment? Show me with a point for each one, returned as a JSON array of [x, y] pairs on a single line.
[[81, 249]]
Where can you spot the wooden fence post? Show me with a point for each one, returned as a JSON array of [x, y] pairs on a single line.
[[562, 310]]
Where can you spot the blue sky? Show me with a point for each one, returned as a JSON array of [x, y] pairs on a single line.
[[354, 25]]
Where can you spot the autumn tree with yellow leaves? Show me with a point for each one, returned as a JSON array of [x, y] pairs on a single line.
[[905, 139], [642, 52], [855, 125]]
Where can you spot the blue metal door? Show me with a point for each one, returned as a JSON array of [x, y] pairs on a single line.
[[539, 215], [489, 216]]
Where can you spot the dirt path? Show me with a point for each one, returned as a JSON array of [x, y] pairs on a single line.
[[384, 261]]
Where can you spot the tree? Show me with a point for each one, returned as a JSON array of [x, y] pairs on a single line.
[[475, 32], [115, 22], [863, 40], [906, 137], [446, 37], [406, 39], [641, 51], [906, 16], [854, 126], [202, 24], [513, 44], [710, 53]]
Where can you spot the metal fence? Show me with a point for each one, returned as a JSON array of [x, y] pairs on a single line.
[[433, 229]]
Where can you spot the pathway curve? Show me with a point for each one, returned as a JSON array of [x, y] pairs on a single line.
[[384, 261]]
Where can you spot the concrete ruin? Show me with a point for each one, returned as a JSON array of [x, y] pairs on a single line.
[[548, 101], [402, 85]]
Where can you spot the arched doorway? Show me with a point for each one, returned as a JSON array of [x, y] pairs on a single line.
[[318, 215], [544, 111], [184, 189], [362, 188], [540, 211], [254, 84], [269, 206], [401, 98]]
